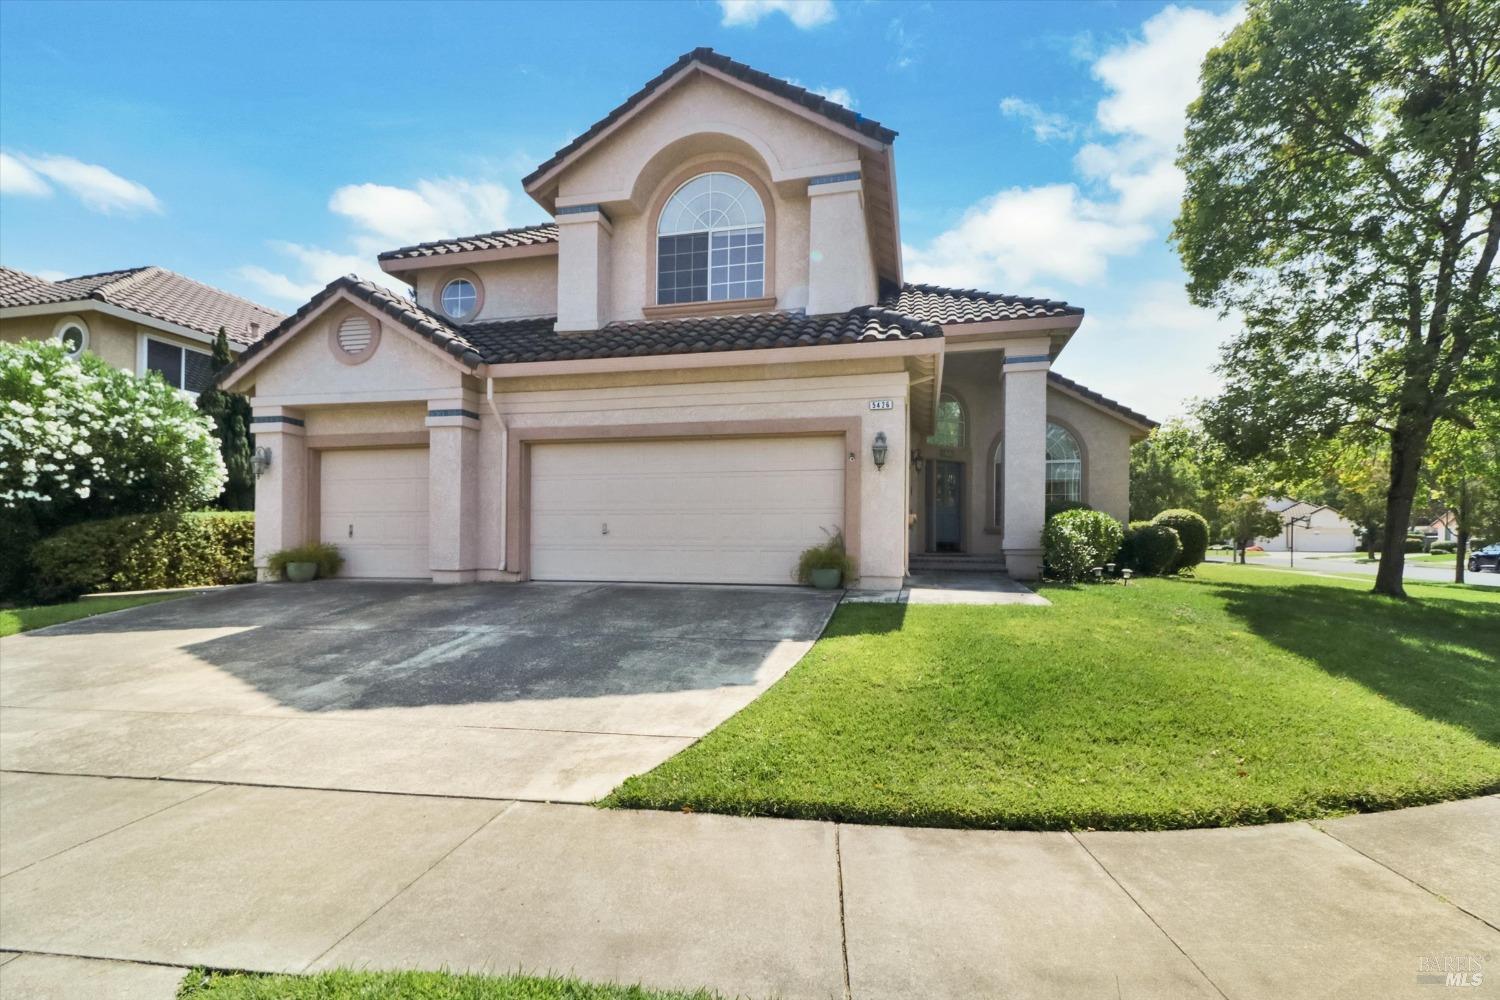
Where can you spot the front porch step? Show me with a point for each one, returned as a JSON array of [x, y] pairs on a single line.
[[951, 562]]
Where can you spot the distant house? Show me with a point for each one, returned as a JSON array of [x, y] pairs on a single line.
[[1443, 528], [140, 319], [1325, 530]]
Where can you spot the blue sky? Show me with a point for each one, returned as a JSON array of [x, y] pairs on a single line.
[[267, 148]]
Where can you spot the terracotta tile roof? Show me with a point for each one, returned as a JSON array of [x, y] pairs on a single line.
[[151, 291], [1101, 400], [708, 57], [532, 340], [968, 305], [521, 236]]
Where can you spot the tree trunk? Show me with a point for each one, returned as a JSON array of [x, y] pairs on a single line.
[[1462, 516], [1407, 443]]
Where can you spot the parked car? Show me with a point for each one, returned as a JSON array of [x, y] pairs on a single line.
[[1485, 558]]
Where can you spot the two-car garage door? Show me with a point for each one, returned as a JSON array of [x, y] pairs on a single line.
[[725, 510]]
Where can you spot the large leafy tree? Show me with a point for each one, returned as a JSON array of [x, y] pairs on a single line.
[[1166, 470], [1463, 475], [230, 412], [1343, 196]]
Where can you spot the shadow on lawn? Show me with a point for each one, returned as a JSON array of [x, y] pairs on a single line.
[[1438, 657]]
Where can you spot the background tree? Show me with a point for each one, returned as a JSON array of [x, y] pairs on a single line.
[[230, 413], [1245, 518], [1343, 196], [1463, 473], [1165, 470]]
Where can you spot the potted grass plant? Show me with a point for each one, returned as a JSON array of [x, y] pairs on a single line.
[[306, 562], [826, 566]]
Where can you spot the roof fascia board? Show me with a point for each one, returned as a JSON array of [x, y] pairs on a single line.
[[452, 257], [1042, 324], [342, 296], [542, 182], [1110, 411], [119, 312], [715, 359]]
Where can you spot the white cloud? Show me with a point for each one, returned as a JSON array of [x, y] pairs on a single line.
[[1127, 185], [19, 179], [97, 187], [383, 216], [430, 210], [838, 95], [1045, 125], [803, 13]]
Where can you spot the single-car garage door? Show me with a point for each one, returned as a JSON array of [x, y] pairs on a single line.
[[710, 510], [373, 506]]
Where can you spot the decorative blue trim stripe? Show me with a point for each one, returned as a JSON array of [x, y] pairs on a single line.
[[578, 209], [852, 175], [278, 420], [453, 413], [1027, 359]]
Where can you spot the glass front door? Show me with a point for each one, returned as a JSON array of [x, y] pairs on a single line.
[[947, 506]]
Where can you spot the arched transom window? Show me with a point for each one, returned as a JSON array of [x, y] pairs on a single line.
[[711, 242], [1064, 466], [952, 423]]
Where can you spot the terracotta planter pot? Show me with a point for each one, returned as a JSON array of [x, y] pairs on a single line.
[[826, 579], [301, 572]]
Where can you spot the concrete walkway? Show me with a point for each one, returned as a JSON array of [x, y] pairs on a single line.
[[176, 873]]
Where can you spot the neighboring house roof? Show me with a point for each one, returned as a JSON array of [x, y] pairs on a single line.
[[755, 78], [532, 340], [500, 239], [1099, 399], [153, 292], [935, 304]]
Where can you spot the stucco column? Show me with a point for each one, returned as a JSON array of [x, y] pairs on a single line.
[[280, 491], [584, 237], [841, 268], [1024, 378], [453, 489]]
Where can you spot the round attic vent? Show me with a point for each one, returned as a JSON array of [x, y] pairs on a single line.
[[354, 335]]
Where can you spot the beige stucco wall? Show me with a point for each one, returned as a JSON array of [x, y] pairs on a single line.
[[1106, 452], [111, 338], [513, 289]]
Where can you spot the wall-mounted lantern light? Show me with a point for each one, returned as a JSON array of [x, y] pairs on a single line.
[[879, 450], [262, 460], [916, 461]]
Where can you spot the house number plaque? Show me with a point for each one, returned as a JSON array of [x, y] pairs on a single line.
[[882, 404]]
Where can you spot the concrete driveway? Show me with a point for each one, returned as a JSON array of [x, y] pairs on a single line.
[[548, 692]]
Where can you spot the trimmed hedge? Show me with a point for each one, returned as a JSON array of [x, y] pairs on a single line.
[[145, 552], [1444, 547], [1150, 549], [1075, 541], [1192, 531]]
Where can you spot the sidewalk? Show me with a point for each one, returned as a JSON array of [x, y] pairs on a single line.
[[277, 879]]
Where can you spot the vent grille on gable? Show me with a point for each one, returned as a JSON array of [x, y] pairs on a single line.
[[354, 335]]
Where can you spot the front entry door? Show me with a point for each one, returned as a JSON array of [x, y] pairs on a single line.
[[947, 506]]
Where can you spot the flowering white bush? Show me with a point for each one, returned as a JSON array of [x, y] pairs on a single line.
[[80, 438]]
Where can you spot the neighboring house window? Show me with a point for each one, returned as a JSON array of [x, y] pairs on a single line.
[[711, 242], [1064, 466], [460, 298], [184, 369], [952, 424], [75, 337]]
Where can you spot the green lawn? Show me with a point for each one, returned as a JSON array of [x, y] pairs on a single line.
[[13, 620], [1242, 695], [346, 985]]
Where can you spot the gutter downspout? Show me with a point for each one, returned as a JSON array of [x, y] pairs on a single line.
[[489, 397]]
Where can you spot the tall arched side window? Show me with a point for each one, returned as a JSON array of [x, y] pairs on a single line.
[[999, 473], [1064, 466], [952, 423], [711, 242]]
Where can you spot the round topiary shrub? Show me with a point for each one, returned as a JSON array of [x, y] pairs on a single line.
[[1192, 531], [1075, 541], [1150, 549]]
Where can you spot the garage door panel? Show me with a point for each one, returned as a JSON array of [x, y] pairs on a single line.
[[717, 510], [381, 494]]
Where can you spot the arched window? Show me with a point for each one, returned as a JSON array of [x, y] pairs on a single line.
[[1064, 466], [711, 242], [952, 423]]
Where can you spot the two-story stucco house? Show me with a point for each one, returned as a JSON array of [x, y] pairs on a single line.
[[140, 319], [706, 361]]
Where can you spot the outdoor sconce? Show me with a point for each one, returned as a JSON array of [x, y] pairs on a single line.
[[916, 460], [262, 460], [879, 450]]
